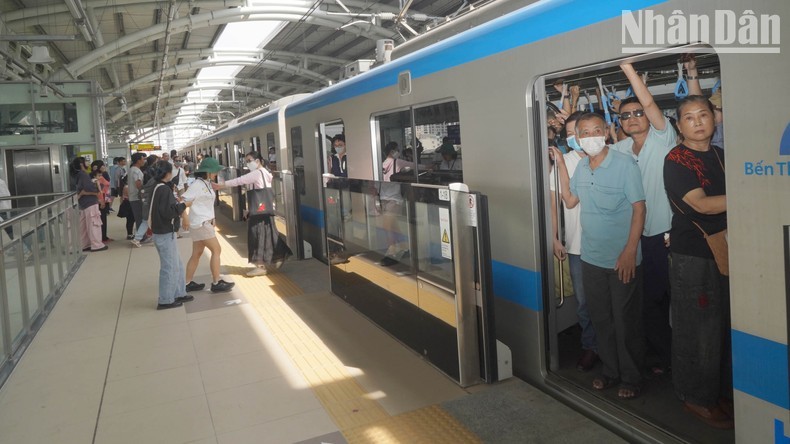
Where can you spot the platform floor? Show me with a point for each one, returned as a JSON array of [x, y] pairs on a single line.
[[277, 360]]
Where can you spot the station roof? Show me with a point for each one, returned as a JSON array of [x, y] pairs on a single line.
[[224, 57]]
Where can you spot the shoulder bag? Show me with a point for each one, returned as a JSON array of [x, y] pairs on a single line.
[[261, 200]]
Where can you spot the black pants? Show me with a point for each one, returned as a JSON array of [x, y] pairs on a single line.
[[616, 313], [130, 225], [104, 212], [701, 342], [655, 304], [137, 211]]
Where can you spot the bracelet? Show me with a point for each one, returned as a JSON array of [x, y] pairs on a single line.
[[692, 77]]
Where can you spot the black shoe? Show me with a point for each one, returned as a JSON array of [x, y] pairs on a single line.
[[185, 298], [99, 249], [129, 236], [86, 249], [175, 304], [194, 286], [387, 262], [586, 361], [222, 286]]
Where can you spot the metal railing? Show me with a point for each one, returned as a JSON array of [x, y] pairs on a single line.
[[41, 250]]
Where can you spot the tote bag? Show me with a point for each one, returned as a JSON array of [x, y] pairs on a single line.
[[261, 200]]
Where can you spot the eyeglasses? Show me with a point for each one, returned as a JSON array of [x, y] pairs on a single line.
[[628, 114]]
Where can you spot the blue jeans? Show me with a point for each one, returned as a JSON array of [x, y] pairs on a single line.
[[172, 281], [588, 333], [141, 229]]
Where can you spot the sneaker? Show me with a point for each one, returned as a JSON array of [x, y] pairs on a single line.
[[185, 298], [388, 261], [136, 243], [147, 240], [222, 286], [174, 304], [100, 249], [257, 271], [194, 286], [129, 236]]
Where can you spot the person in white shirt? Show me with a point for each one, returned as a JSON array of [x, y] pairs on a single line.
[[261, 231], [201, 228], [450, 162]]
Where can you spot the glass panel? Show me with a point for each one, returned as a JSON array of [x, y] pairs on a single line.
[[394, 134], [298, 159], [438, 131], [29, 242], [49, 118], [14, 269], [434, 258]]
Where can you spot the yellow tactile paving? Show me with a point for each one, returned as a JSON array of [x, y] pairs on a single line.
[[430, 425], [360, 419]]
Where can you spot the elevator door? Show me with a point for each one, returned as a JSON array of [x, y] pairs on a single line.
[[30, 173]]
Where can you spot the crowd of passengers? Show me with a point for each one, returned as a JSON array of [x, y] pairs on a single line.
[[639, 205], [160, 205]]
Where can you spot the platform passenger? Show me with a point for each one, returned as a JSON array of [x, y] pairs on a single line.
[[608, 186], [261, 232], [90, 215]]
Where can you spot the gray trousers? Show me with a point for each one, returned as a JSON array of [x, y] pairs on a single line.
[[616, 313]]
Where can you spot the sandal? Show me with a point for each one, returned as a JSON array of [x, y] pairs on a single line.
[[604, 382], [632, 391]]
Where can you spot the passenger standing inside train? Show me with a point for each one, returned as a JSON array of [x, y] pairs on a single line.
[[701, 349], [261, 231], [392, 205], [608, 186], [90, 215], [572, 248], [165, 214], [651, 137], [201, 228], [135, 183], [339, 166], [450, 161], [695, 89]]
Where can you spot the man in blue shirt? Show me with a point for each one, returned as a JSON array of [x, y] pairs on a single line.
[[608, 186]]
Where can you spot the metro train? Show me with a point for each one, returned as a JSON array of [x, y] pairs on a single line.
[[486, 87]]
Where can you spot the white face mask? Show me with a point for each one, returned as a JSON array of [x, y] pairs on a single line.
[[252, 165], [593, 145], [340, 149], [395, 155]]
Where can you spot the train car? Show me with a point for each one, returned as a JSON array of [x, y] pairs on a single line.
[[485, 92]]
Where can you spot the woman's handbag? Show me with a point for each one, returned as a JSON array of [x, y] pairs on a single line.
[[125, 209], [261, 200], [717, 244]]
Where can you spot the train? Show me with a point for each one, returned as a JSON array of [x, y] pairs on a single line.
[[486, 88]]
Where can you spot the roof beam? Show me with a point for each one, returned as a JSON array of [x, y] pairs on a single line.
[[210, 52]]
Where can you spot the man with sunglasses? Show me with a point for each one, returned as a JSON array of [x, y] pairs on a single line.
[[651, 137]]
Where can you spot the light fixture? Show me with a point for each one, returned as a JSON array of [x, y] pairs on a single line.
[[40, 55]]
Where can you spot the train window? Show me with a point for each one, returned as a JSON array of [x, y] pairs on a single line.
[[615, 91], [269, 140], [428, 137], [298, 158], [332, 137]]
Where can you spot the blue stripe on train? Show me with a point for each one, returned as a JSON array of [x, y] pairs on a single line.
[[517, 285], [312, 215], [759, 368], [538, 21]]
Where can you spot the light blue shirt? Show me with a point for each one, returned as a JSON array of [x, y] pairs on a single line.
[[606, 196], [651, 163]]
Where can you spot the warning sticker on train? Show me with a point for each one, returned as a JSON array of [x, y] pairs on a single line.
[[444, 233]]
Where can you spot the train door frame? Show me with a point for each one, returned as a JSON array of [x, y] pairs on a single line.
[[324, 155], [606, 411]]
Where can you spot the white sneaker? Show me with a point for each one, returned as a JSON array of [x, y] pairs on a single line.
[[136, 243], [257, 271]]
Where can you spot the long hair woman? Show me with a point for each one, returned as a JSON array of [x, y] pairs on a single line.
[[694, 180], [99, 170], [261, 232], [165, 214], [201, 227], [90, 215]]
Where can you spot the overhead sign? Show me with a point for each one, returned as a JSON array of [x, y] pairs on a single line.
[[144, 147]]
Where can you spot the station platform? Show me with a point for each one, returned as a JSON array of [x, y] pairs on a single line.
[[277, 360]]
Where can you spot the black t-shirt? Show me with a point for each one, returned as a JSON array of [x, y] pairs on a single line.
[[685, 170]]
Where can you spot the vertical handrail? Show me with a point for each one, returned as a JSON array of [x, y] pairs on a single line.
[[560, 233]]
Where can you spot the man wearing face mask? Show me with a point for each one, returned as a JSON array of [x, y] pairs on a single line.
[[339, 168], [651, 137], [572, 247], [608, 186]]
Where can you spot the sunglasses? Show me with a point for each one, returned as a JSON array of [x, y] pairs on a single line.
[[628, 114]]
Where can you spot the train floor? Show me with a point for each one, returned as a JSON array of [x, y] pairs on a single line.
[[277, 360], [656, 404]]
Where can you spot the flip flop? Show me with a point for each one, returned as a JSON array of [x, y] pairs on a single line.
[[604, 382], [635, 390]]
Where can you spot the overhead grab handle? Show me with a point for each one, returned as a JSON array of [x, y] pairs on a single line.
[[589, 101], [681, 88], [716, 86], [605, 104]]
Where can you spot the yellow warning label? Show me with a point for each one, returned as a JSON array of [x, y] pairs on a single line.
[[445, 237]]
